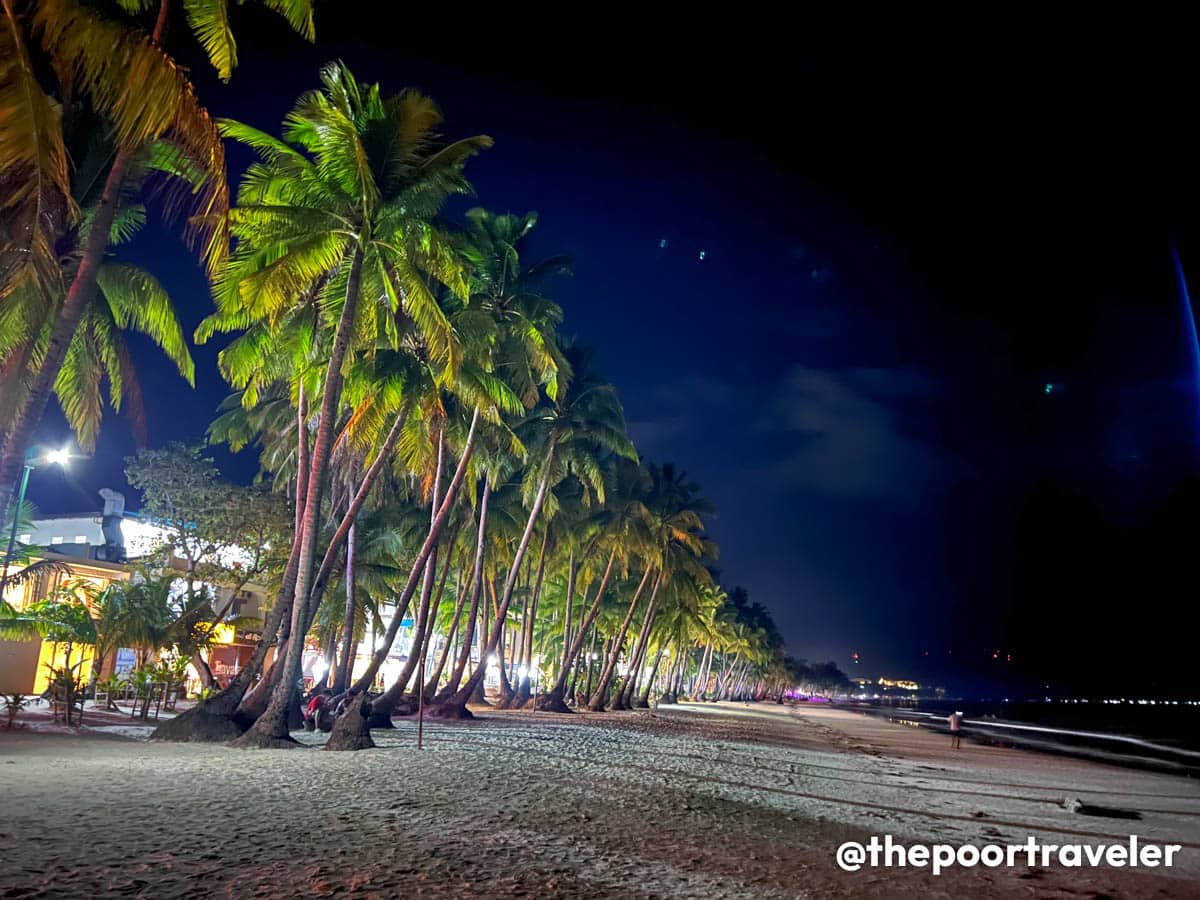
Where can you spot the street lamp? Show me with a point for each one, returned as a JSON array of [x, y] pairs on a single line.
[[61, 457]]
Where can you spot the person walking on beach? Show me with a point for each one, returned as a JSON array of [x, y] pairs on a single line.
[[955, 720]]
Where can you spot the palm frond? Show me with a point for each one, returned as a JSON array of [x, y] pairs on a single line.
[[209, 21], [139, 302], [35, 191], [145, 95]]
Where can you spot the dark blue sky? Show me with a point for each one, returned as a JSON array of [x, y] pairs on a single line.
[[902, 245]]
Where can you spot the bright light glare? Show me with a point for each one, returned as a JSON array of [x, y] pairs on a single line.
[[59, 457]]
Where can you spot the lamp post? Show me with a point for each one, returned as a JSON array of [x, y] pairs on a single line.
[[54, 457]]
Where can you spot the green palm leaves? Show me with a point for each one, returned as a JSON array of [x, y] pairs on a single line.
[[209, 21], [354, 177], [138, 106], [146, 97]]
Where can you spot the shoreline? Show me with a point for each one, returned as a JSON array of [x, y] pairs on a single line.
[[1035, 738], [699, 800]]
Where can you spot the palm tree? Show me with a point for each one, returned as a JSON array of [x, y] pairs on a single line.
[[671, 535], [338, 211], [713, 598], [566, 438], [148, 100], [506, 312], [614, 538], [127, 299]]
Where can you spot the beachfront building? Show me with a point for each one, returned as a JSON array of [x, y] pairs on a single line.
[[101, 548], [24, 665]]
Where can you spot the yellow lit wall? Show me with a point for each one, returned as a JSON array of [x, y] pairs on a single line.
[[56, 655]]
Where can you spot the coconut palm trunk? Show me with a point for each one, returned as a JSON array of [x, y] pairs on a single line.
[[271, 728], [681, 674], [301, 454], [553, 700], [456, 705], [600, 697], [588, 662], [345, 667], [522, 693], [570, 602], [625, 697], [464, 654], [700, 688], [643, 699], [431, 683]]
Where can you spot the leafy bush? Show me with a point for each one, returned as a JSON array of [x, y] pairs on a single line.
[[13, 704]]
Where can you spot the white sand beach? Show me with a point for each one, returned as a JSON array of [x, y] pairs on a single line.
[[712, 800]]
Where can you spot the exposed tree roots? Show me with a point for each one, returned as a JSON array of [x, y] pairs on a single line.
[[352, 729], [198, 725]]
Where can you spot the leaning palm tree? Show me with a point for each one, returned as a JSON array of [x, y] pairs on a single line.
[[339, 212], [613, 543], [128, 299], [671, 531], [146, 98], [566, 438]]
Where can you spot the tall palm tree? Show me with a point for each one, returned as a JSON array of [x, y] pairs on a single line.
[[341, 211], [671, 533], [128, 298], [566, 438], [147, 99], [614, 540]]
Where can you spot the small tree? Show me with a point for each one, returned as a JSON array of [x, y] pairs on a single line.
[[13, 704], [66, 687], [223, 533]]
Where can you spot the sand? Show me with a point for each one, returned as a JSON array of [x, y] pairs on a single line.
[[712, 800]]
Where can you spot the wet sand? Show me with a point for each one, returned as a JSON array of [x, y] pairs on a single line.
[[710, 800]]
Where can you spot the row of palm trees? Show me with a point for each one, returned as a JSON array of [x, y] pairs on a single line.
[[404, 375], [450, 458]]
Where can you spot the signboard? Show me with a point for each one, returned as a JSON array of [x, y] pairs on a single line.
[[406, 622], [126, 661], [226, 662], [247, 636]]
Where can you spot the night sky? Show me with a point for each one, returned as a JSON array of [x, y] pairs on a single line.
[[904, 240]]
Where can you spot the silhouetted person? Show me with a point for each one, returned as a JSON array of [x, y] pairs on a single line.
[[955, 719]]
